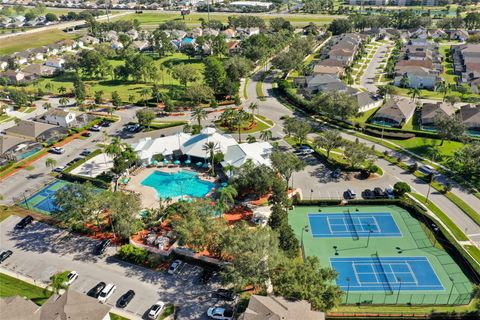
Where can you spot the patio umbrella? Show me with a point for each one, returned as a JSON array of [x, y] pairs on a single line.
[[177, 162], [154, 162], [206, 165], [188, 161], [165, 161], [199, 164], [224, 184]]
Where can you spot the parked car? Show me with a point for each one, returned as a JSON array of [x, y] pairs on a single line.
[[125, 299], [59, 169], [156, 310], [135, 128], [107, 292], [368, 194], [95, 291], [87, 134], [24, 222], [85, 153], [174, 266], [336, 173], [5, 254], [379, 193], [206, 275], [105, 123], [57, 150], [389, 192], [95, 128], [220, 313], [351, 194], [102, 246], [225, 294], [72, 276]]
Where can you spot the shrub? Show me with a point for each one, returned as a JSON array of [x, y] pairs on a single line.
[[413, 167], [130, 253], [400, 188]]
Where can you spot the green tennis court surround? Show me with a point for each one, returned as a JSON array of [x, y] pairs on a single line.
[[382, 254]]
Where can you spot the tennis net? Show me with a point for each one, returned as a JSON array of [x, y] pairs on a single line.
[[352, 224], [382, 274]]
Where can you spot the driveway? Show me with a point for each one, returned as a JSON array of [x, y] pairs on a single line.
[[368, 79], [41, 250]]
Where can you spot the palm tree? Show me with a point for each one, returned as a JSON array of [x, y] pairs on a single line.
[[211, 147], [59, 281], [240, 117], [199, 114], [131, 98], [252, 107], [62, 90], [50, 163], [48, 86], [64, 101], [47, 105], [230, 169], [266, 135], [226, 197], [144, 94], [414, 93], [251, 139], [115, 147]]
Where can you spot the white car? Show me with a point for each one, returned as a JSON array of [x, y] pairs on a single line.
[[72, 276], [107, 292], [174, 266], [156, 309], [389, 192], [57, 150], [219, 313]]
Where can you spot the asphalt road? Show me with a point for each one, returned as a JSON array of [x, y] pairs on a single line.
[[41, 250]]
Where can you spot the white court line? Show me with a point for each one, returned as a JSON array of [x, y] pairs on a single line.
[[412, 273]]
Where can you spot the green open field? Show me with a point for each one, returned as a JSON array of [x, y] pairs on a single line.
[[415, 241], [150, 19], [423, 146], [34, 40], [127, 88], [10, 287]]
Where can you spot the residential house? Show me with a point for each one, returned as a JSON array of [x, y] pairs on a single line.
[[9, 145], [466, 64], [470, 116], [70, 305], [87, 40], [210, 32], [437, 34], [59, 117], [416, 77], [141, 45], [14, 76], [132, 34], [366, 101], [276, 307], [196, 32], [233, 47], [247, 32], [37, 131], [311, 85], [395, 112], [39, 70], [111, 36], [430, 110], [116, 45], [55, 63], [21, 57], [333, 70], [460, 35], [229, 33]]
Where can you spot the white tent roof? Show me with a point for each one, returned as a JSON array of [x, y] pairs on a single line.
[[148, 147], [258, 152], [194, 146]]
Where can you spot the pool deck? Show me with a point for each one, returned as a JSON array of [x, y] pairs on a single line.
[[149, 195]]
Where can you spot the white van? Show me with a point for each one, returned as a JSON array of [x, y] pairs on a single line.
[[107, 292]]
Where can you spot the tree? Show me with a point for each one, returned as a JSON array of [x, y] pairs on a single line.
[[116, 100], [464, 89], [448, 127], [452, 99], [145, 117], [50, 163], [266, 135], [357, 153], [301, 130], [339, 26], [337, 104], [19, 97], [251, 139], [199, 114], [141, 67], [62, 90], [123, 210], [226, 197], [238, 121], [198, 93], [219, 45], [47, 105], [329, 140], [307, 280], [51, 17], [400, 188], [257, 179], [286, 164], [161, 43], [211, 148], [184, 73], [92, 63], [144, 93], [59, 281], [214, 74], [98, 97], [466, 159], [238, 67], [64, 101], [414, 93], [252, 107]]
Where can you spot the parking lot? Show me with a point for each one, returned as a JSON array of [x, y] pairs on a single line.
[[41, 250], [318, 177]]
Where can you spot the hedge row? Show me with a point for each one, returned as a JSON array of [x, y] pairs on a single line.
[[94, 181], [83, 160]]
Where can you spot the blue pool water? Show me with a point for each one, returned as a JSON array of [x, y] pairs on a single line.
[[181, 183], [27, 154]]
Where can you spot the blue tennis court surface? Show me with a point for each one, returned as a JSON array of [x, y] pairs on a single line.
[[385, 274], [359, 224]]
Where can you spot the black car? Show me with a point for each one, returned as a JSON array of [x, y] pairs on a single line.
[[24, 222], [125, 299], [86, 134], [105, 123], [95, 291], [225, 294], [4, 255], [85, 153], [206, 275], [379, 193], [102, 246], [368, 194]]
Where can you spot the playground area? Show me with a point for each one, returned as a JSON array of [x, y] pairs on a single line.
[[382, 254]]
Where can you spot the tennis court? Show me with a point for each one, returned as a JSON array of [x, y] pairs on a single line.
[[387, 254], [385, 274], [43, 201], [356, 224]]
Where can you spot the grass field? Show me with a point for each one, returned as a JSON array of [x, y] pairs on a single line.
[[153, 19], [423, 146], [365, 116], [26, 41], [10, 287], [412, 241]]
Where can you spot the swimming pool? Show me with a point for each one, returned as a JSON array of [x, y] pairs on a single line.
[[181, 183]]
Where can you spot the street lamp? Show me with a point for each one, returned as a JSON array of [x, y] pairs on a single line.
[[348, 289], [399, 288], [304, 229], [311, 192], [370, 231], [451, 290]]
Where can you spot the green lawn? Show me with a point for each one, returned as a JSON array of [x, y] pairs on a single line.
[[10, 287], [447, 74], [26, 41], [127, 88], [260, 126], [405, 308], [423, 146], [114, 316], [153, 19]]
